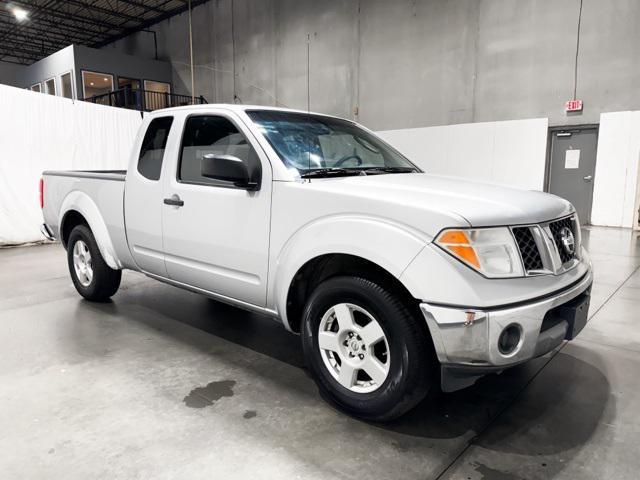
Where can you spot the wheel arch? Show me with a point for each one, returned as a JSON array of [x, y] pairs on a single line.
[[323, 267], [79, 209]]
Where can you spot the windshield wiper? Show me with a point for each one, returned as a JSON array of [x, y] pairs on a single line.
[[389, 169], [329, 172]]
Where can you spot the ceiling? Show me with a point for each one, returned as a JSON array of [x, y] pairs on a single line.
[[54, 24]]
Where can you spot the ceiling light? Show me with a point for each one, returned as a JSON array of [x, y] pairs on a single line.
[[105, 79], [91, 83], [20, 13]]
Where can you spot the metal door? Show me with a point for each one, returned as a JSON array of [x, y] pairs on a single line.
[[573, 166]]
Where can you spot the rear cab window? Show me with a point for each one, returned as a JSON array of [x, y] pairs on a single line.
[[153, 147]]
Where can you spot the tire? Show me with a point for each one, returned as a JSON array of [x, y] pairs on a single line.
[[408, 364], [98, 282]]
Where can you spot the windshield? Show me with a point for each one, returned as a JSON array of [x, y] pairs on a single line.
[[315, 143]]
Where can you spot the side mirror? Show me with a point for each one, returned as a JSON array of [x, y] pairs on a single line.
[[227, 168]]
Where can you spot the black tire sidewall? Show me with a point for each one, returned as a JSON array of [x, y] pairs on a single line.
[[105, 280], [390, 313]]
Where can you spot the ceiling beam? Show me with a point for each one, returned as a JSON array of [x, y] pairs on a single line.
[[147, 23]]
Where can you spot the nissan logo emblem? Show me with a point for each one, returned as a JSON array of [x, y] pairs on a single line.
[[567, 240]]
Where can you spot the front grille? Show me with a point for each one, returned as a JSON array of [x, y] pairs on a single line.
[[556, 229], [528, 248]]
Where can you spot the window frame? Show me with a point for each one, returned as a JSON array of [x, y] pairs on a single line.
[[55, 87], [123, 77], [73, 81], [145, 80], [39, 85], [171, 128], [221, 185], [84, 89]]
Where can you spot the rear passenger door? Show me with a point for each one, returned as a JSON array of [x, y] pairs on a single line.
[[216, 235], [143, 198]]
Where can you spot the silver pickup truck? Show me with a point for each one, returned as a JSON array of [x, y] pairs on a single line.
[[388, 273]]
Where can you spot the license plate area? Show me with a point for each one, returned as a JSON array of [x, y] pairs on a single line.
[[575, 312]]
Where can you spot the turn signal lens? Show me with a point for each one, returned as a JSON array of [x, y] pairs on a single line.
[[457, 242], [491, 251]]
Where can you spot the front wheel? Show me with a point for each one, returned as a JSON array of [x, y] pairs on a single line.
[[91, 275], [367, 353]]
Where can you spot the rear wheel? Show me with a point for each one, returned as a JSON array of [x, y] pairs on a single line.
[[366, 351], [91, 275]]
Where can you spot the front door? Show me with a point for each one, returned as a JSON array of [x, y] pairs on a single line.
[[573, 166], [216, 235]]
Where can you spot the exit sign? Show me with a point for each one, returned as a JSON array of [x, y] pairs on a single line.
[[573, 106]]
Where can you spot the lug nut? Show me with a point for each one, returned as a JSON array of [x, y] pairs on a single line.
[[361, 356]]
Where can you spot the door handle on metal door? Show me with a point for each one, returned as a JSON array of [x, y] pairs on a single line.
[[588, 178], [174, 201]]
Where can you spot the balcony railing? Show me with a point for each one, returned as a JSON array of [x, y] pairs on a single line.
[[143, 100]]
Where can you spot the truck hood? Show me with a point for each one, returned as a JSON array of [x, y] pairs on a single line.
[[480, 204]]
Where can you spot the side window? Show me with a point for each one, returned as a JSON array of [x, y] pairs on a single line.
[[153, 145], [208, 134]]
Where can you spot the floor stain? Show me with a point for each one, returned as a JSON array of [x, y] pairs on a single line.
[[201, 397], [249, 414], [489, 473]]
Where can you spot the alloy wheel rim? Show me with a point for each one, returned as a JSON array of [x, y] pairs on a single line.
[[354, 348], [82, 263]]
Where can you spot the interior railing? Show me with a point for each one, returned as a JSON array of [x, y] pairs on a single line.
[[144, 100]]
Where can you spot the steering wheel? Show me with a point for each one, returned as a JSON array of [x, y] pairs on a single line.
[[348, 157]]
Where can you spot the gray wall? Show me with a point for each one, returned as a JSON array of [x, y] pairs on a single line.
[[10, 73], [408, 63], [52, 66]]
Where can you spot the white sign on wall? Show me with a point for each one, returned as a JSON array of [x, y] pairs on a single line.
[[572, 159]]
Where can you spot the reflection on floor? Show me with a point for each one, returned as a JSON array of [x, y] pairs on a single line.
[[162, 383]]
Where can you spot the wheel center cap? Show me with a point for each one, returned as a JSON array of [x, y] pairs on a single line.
[[354, 345]]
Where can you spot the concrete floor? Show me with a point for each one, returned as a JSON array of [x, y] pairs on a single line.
[[162, 383]]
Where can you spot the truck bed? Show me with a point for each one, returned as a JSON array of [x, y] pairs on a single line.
[[99, 174], [99, 197]]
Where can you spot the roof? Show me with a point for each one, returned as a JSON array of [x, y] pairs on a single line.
[[53, 24], [234, 107]]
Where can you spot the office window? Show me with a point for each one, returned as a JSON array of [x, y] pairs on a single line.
[[50, 86], [124, 82], [94, 83], [156, 94], [153, 145], [66, 85], [36, 88]]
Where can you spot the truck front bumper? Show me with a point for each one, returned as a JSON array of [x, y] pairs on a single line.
[[473, 342]]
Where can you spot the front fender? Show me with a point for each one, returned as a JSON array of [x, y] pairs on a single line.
[[83, 204], [388, 244]]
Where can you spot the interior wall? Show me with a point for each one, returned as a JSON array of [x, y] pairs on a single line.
[[410, 63], [512, 153], [10, 73], [49, 67], [117, 64], [45, 132], [616, 177]]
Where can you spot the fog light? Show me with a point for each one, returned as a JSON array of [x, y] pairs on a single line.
[[509, 339]]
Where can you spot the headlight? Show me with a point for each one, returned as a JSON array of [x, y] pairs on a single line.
[[490, 251]]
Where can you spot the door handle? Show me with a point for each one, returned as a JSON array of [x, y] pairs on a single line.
[[174, 200], [588, 178]]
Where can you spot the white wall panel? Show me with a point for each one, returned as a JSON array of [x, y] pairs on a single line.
[[512, 153], [616, 178], [42, 132]]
